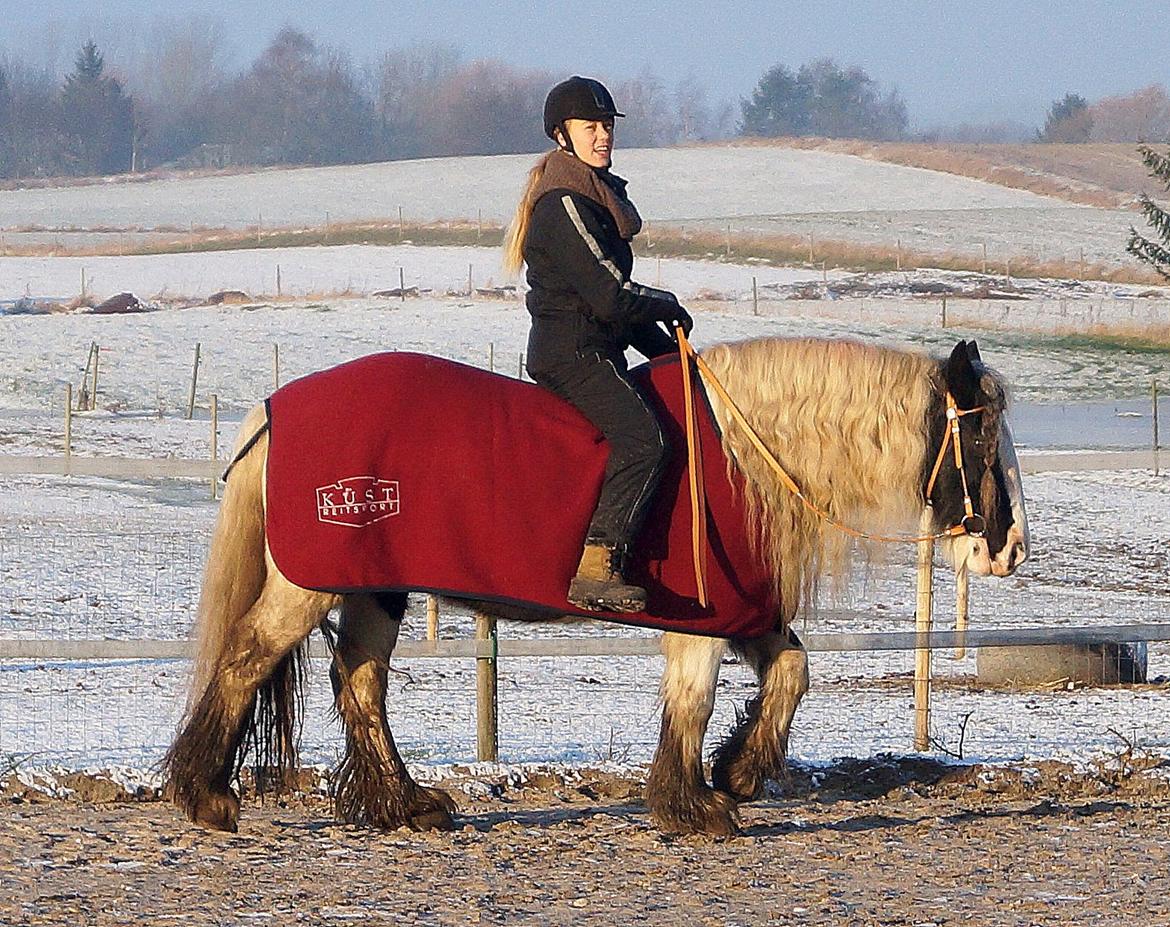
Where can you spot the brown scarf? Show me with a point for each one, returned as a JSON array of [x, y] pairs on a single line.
[[565, 171]]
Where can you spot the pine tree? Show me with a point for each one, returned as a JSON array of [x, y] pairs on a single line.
[[1154, 253], [97, 118]]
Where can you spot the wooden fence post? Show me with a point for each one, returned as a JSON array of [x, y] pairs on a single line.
[[962, 604], [402, 284], [486, 693], [214, 445], [1154, 390], [97, 351], [944, 311], [922, 623], [755, 298], [432, 617], [194, 383], [68, 422]]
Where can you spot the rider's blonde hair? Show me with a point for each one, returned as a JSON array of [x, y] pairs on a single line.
[[514, 237]]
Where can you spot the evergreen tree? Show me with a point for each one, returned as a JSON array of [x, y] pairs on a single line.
[[780, 105], [1154, 253], [97, 117], [822, 98], [1068, 120]]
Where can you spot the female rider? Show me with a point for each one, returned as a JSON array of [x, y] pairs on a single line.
[[573, 228]]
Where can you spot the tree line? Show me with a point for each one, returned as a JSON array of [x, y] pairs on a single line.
[[1141, 116], [176, 102], [299, 102]]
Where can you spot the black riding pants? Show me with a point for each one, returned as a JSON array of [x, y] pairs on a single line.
[[599, 387]]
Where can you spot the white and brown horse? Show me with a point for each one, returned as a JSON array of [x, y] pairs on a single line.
[[860, 428]]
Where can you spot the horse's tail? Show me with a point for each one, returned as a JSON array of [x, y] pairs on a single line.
[[232, 581], [235, 570]]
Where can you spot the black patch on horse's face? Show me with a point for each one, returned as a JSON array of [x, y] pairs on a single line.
[[965, 377]]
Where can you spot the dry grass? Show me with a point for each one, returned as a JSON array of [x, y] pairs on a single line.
[[787, 250], [1104, 175]]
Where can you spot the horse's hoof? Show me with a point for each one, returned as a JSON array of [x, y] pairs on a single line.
[[741, 785], [710, 812], [432, 810], [218, 811]]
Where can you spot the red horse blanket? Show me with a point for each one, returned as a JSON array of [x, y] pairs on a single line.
[[408, 472]]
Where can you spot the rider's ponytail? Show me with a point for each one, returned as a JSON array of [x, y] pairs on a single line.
[[514, 238]]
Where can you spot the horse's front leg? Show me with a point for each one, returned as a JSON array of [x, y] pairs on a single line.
[[676, 791], [756, 749], [372, 785]]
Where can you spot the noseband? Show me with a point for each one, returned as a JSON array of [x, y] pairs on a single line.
[[972, 523]]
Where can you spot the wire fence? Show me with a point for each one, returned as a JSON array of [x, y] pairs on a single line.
[[98, 593]]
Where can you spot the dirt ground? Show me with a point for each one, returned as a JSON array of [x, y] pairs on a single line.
[[906, 842]]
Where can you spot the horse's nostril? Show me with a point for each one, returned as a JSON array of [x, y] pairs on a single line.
[[1018, 554]]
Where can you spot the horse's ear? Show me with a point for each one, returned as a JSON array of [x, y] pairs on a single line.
[[959, 372], [973, 352]]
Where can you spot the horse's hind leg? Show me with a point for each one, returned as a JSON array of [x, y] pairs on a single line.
[[372, 785], [676, 790], [205, 756], [757, 748]]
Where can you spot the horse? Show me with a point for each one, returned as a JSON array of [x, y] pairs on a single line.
[[872, 435]]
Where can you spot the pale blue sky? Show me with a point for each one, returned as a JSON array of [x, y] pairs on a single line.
[[967, 60]]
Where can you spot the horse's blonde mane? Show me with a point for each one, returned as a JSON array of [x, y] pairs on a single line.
[[848, 422]]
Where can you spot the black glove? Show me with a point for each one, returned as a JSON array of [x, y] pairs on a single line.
[[681, 318]]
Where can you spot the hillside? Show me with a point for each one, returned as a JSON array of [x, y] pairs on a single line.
[[1106, 175]]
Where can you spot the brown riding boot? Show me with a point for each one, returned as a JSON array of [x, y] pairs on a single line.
[[598, 587]]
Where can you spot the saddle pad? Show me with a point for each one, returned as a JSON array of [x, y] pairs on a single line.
[[403, 471]]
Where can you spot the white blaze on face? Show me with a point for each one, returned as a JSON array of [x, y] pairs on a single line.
[[1016, 547]]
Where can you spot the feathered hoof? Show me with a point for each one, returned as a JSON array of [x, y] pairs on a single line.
[[704, 812], [431, 810], [216, 810], [741, 782]]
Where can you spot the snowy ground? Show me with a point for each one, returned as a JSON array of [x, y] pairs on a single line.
[[98, 558], [774, 190], [676, 184]]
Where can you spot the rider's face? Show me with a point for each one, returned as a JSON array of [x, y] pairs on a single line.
[[592, 140]]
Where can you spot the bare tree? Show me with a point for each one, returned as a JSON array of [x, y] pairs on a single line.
[[490, 108], [647, 106], [1141, 116]]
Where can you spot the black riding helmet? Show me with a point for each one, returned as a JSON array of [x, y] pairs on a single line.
[[577, 98]]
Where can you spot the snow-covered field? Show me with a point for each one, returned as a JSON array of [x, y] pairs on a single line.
[[672, 184], [98, 558], [774, 190]]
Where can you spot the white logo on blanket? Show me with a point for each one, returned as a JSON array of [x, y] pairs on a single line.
[[357, 501]]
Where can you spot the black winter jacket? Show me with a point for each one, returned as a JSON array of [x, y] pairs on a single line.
[[581, 298]]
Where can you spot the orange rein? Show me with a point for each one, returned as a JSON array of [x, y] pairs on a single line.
[[971, 524]]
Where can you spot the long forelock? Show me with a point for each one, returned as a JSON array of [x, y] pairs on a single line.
[[849, 422]]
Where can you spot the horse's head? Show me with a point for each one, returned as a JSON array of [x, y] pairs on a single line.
[[997, 542]]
